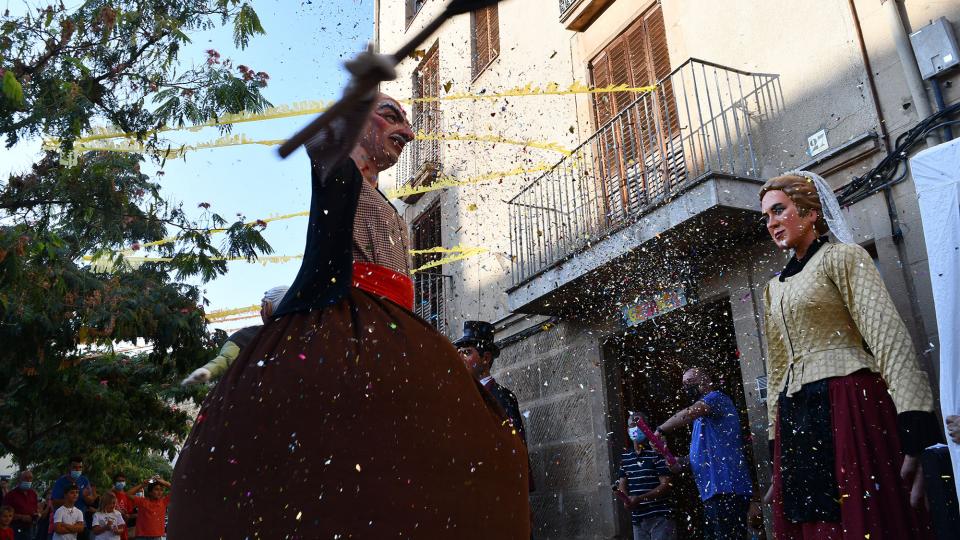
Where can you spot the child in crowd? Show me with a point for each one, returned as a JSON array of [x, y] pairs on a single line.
[[108, 523], [6, 517], [68, 519], [152, 509]]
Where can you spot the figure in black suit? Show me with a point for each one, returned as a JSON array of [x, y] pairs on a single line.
[[478, 350]]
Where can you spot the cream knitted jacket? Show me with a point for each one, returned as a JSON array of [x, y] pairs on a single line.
[[818, 320]]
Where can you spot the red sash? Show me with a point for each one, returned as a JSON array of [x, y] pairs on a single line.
[[382, 281]]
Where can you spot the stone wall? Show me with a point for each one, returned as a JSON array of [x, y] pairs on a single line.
[[556, 374]]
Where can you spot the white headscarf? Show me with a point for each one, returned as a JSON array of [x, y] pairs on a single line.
[[829, 207], [274, 296]]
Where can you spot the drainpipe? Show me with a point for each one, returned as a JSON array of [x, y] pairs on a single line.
[[922, 104], [909, 64]]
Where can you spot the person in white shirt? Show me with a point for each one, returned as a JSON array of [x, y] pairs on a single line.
[[68, 519], [108, 523]]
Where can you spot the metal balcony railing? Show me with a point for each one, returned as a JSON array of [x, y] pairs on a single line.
[[430, 298], [421, 158], [699, 122], [565, 5]]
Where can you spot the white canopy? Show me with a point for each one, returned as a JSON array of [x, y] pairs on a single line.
[[936, 174]]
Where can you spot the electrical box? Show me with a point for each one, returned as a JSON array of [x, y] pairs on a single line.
[[935, 47]]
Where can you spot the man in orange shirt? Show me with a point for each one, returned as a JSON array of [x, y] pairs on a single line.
[[152, 509]]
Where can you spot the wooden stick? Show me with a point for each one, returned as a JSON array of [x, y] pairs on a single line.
[[362, 89]]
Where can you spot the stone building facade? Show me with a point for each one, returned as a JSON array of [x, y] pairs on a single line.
[[637, 251]]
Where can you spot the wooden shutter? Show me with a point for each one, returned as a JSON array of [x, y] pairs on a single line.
[[481, 41], [602, 103], [639, 139], [660, 67], [426, 235], [486, 37], [427, 84], [640, 75], [493, 29]]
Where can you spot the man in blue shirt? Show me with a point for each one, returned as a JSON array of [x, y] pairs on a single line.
[[88, 494], [644, 480], [716, 456]]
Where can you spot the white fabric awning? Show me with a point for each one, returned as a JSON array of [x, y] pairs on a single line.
[[936, 174]]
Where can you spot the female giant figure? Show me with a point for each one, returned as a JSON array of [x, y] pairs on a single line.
[[849, 407]]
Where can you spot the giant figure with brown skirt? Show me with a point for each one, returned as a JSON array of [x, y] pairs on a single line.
[[348, 416]]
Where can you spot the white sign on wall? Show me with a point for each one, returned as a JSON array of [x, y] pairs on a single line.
[[817, 143]]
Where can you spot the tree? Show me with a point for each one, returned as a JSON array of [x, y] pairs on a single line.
[[65, 386]]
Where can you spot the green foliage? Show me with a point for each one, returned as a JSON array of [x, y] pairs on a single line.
[[119, 60], [12, 90], [246, 24], [66, 384]]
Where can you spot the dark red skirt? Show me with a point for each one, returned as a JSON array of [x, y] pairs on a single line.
[[874, 500], [354, 421]]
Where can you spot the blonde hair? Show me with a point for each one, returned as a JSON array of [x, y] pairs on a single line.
[[106, 498], [802, 192]]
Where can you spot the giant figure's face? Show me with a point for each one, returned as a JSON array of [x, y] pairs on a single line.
[[386, 133]]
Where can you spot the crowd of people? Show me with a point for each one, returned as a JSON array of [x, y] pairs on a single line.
[[73, 509]]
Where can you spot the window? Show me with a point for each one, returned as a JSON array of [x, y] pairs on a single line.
[[412, 8], [429, 284], [420, 160], [426, 84], [638, 57], [427, 235], [637, 149], [485, 24]]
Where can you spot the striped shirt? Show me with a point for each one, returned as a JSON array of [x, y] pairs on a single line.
[[643, 472]]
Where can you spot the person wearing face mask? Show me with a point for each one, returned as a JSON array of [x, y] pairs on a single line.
[[124, 503], [87, 497], [237, 341], [716, 458], [850, 410], [644, 480], [23, 499]]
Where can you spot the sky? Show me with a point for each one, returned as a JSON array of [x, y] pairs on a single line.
[[305, 45]]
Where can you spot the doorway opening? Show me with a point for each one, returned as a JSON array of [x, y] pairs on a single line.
[[649, 361]]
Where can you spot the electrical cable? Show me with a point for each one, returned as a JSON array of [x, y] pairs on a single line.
[[887, 172]]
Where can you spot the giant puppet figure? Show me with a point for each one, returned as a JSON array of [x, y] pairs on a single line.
[[850, 408], [348, 416]]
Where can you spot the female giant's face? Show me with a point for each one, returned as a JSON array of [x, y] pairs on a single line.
[[787, 228]]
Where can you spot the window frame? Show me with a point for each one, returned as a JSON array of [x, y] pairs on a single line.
[[478, 69], [411, 10]]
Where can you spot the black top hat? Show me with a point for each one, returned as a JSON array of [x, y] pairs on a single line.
[[478, 334]]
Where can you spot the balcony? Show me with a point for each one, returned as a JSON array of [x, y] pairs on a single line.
[[686, 150], [578, 15], [420, 161], [429, 298]]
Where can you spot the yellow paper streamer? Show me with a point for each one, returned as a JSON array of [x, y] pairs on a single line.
[[464, 254], [302, 108], [459, 253], [221, 313], [552, 89], [133, 147], [445, 182]]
